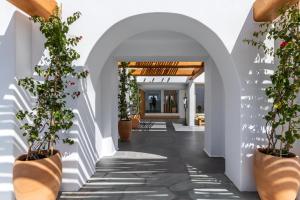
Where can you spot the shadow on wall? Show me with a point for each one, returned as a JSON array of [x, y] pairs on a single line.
[[255, 67], [11, 144], [79, 159]]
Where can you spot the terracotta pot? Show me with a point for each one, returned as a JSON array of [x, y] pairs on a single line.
[[125, 127], [277, 178], [136, 121], [37, 179], [174, 110]]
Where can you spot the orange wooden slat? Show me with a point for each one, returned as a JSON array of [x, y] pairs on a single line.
[[163, 72], [164, 64], [42, 8], [197, 72]]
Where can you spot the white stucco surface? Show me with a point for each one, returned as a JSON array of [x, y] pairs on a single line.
[[207, 30]]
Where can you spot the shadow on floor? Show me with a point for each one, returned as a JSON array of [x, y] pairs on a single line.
[[160, 165]]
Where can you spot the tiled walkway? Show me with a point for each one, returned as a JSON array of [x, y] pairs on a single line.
[[161, 164]]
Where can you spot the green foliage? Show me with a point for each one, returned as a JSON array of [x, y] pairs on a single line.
[[50, 114], [134, 94], [199, 108], [123, 91], [282, 121], [172, 103]]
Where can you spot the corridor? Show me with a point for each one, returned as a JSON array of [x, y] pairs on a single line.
[[160, 163]]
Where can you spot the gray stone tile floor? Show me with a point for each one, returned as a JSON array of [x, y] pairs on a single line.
[[160, 164]]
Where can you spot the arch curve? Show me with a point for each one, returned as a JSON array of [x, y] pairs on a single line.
[[199, 32]]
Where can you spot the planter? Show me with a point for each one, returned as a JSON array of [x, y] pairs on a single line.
[[37, 179], [277, 178], [125, 127], [136, 121], [173, 110]]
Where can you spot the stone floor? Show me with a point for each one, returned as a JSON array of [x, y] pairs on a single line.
[[160, 163]]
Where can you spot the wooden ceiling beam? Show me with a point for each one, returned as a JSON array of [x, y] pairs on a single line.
[[268, 10], [197, 73], [42, 8], [163, 72], [164, 64]]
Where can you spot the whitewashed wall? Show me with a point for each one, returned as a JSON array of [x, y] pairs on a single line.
[[15, 51]]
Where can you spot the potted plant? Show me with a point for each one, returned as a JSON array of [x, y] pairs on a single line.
[[125, 124], [173, 105], [135, 101], [38, 174], [276, 168]]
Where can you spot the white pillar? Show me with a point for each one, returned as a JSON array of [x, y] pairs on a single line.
[[214, 137], [191, 103]]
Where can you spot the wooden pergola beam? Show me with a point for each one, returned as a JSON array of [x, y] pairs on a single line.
[[163, 72], [268, 10], [164, 64], [197, 73], [42, 8]]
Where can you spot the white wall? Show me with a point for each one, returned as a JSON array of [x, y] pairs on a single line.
[[15, 46], [224, 12], [21, 47]]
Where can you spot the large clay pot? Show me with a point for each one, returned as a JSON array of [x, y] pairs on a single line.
[[125, 127], [277, 178], [136, 121], [37, 179]]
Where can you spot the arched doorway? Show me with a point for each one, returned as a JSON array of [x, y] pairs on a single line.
[[120, 32]]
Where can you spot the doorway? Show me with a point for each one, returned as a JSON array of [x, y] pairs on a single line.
[[171, 101]]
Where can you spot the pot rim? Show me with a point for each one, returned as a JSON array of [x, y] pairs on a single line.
[[260, 150], [56, 152]]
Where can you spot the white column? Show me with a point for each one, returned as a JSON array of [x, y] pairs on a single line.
[[191, 103], [162, 99], [214, 136]]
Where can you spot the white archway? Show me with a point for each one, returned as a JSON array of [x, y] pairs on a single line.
[[194, 29]]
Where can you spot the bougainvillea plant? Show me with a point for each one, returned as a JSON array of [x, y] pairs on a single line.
[[123, 91], [282, 120], [53, 85]]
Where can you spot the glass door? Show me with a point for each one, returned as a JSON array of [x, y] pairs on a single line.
[[152, 101]]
